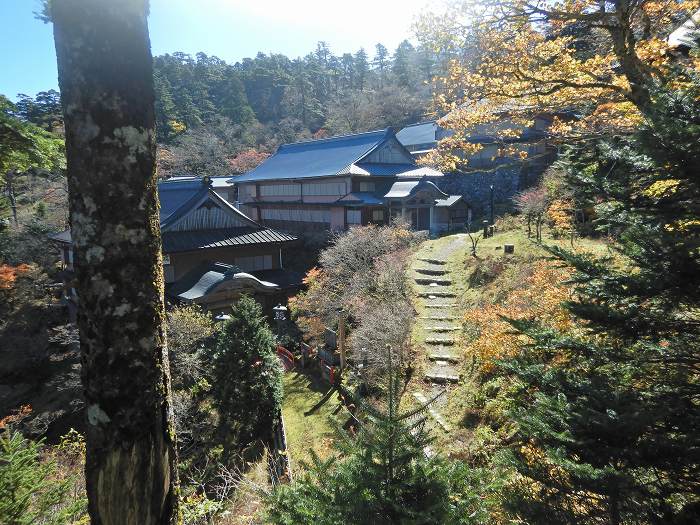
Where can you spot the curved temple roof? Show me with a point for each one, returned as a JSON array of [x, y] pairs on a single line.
[[204, 279]]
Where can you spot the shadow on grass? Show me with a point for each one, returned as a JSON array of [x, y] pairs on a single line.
[[318, 430]]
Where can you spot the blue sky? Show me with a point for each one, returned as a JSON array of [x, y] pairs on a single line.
[[229, 29]]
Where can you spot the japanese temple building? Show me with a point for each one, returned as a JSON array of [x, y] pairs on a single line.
[[212, 253], [334, 183]]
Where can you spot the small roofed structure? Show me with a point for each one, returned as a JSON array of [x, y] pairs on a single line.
[[421, 138], [422, 204], [216, 285]]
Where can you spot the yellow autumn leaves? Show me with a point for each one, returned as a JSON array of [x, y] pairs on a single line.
[[513, 60], [539, 298]]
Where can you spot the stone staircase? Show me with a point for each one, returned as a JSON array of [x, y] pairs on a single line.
[[439, 324]]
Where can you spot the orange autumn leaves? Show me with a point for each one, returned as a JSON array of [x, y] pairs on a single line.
[[9, 274], [539, 298]]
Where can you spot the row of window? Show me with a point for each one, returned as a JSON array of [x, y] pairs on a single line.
[[355, 216], [296, 190], [307, 188], [254, 263], [280, 190], [325, 188], [295, 215]]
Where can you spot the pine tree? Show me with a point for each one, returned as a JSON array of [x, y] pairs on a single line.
[[608, 416], [361, 68], [380, 62], [32, 490], [246, 374], [387, 474], [403, 67]]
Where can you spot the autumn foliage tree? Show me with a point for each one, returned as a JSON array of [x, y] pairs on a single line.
[[247, 160], [538, 297], [363, 274], [533, 205], [510, 60]]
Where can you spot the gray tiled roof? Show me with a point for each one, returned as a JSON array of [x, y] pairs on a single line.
[[316, 158], [403, 189], [334, 156], [422, 133], [182, 241], [687, 33]]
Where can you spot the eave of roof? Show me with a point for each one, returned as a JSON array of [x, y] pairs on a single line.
[[448, 202], [377, 169], [361, 197], [176, 241], [63, 237]]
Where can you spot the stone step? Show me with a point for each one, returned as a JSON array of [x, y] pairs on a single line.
[[437, 293], [439, 341], [441, 378], [433, 413], [433, 281], [439, 318], [432, 261], [430, 271], [449, 358], [441, 305], [442, 328]]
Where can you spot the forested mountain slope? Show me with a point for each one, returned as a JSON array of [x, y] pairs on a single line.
[[208, 111]]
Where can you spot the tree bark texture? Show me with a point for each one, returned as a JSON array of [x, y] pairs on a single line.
[[106, 80]]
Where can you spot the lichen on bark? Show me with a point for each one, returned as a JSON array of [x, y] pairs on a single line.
[[105, 76]]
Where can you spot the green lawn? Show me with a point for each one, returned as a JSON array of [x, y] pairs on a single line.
[[315, 431]]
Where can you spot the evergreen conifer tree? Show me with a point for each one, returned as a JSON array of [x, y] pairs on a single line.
[[246, 373], [609, 415], [387, 474]]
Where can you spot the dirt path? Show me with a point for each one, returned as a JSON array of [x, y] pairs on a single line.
[[437, 326]]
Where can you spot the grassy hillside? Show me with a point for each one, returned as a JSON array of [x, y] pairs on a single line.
[[491, 284]]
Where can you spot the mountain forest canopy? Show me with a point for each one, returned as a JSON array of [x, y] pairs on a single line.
[[204, 104]]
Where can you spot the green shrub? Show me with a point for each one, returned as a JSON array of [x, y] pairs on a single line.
[[32, 490]]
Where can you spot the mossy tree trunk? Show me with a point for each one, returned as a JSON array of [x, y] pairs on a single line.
[[106, 80]]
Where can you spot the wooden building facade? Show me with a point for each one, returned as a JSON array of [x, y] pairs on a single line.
[[335, 183], [212, 252]]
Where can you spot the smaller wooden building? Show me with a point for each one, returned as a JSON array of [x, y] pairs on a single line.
[[212, 252]]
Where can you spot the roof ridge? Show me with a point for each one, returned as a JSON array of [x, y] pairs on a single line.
[[421, 123], [335, 137]]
